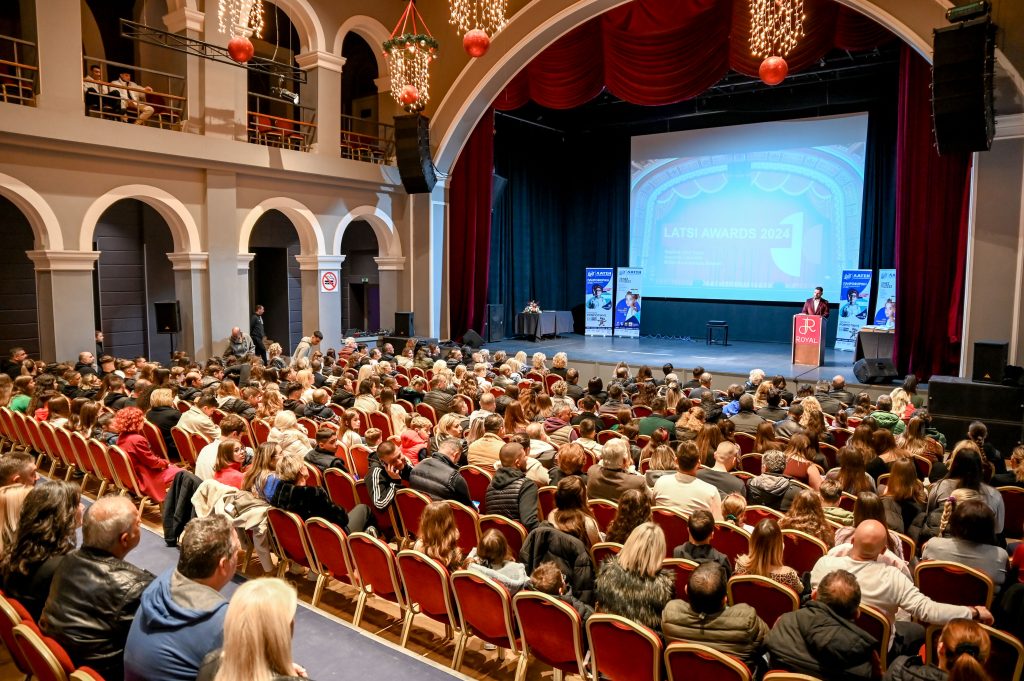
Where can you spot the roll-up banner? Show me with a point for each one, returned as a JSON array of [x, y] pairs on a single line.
[[885, 305], [628, 282], [853, 309], [599, 302]]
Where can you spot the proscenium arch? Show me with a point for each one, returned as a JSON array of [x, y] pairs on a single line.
[[45, 228], [311, 236], [170, 208], [388, 242], [304, 19], [370, 30], [542, 22]]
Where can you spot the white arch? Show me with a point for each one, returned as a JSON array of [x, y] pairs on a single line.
[[36, 210], [307, 24], [171, 209], [370, 30], [388, 242], [311, 237]]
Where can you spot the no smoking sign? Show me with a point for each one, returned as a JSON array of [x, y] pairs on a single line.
[[329, 282]]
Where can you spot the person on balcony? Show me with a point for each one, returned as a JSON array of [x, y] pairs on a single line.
[[133, 97]]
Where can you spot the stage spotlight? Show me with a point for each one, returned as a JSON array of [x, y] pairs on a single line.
[[971, 10]]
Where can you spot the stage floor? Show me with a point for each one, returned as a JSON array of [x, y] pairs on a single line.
[[737, 358]]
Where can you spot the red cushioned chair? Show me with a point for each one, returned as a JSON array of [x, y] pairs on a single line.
[[1013, 501], [427, 592], [378, 574], [831, 454], [514, 532], [682, 568], [12, 614], [382, 423], [696, 662], [801, 551], [359, 459], [731, 540], [410, 504], [746, 442], [923, 466], [198, 441], [909, 546], [468, 522], [44, 656], [604, 512], [623, 650], [770, 599], [847, 501], [328, 547], [641, 411], [788, 676], [874, 622], [155, 439], [478, 480], [100, 464], [66, 451], [289, 534], [756, 514], [80, 453], [751, 463], [948, 582], [341, 488], [485, 611], [260, 430], [183, 443], [86, 674], [675, 525], [309, 426], [552, 632], [125, 479], [602, 551], [49, 438], [840, 436], [546, 498], [427, 412]]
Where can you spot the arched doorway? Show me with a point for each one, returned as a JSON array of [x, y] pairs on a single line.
[[132, 274], [360, 299], [18, 306], [275, 277]]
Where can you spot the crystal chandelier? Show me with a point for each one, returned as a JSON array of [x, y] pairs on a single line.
[[776, 26], [242, 18], [410, 50], [478, 21]]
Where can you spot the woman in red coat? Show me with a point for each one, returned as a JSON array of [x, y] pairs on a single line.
[[154, 473]]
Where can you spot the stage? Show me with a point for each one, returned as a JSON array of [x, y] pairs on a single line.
[[733, 360]]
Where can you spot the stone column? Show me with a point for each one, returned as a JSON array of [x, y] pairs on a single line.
[[192, 291], [388, 269], [228, 290], [65, 303], [429, 276], [321, 310], [59, 35], [323, 88], [190, 23], [223, 88]]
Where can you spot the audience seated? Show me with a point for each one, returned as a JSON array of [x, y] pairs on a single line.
[[967, 536], [493, 558], [807, 515], [484, 451], [181, 615], [569, 461], [95, 592], [765, 557], [154, 473], [612, 477], [549, 579], [831, 494], [720, 475], [571, 514], [684, 490], [965, 472], [632, 583], [962, 651], [438, 475], [706, 618], [511, 493], [231, 428], [439, 536], [197, 418], [772, 488], [18, 468], [697, 548], [287, 489]]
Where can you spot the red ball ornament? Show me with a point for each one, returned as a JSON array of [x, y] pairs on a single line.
[[240, 49], [773, 70], [476, 43], [409, 95]]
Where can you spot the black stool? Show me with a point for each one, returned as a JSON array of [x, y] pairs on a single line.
[[717, 324]]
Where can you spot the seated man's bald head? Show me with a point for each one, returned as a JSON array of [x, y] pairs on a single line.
[[869, 540], [510, 453]]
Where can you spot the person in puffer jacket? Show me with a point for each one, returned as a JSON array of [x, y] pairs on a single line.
[[772, 488]]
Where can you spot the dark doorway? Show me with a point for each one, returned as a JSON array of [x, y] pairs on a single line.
[[19, 325], [364, 307], [275, 279], [360, 305]]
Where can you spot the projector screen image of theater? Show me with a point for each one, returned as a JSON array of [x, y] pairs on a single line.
[[761, 212]]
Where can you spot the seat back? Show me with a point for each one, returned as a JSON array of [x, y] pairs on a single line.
[[467, 520], [831, 454], [1005, 661], [80, 452], [426, 584], [485, 609], [770, 599], [874, 622], [948, 582], [49, 438], [100, 464], [696, 662], [513, 531], [1013, 502], [751, 463], [406, 405], [383, 423], [604, 512], [923, 466], [746, 442], [341, 488], [788, 676], [602, 551], [375, 562], [840, 436], [10, 617], [847, 501], [328, 546], [731, 540], [623, 650], [478, 480], [801, 551], [550, 381], [65, 451], [551, 631], [198, 441], [359, 457], [290, 536], [675, 525], [909, 546], [641, 411], [756, 514], [155, 439], [86, 674], [427, 412], [546, 498], [183, 443], [260, 431], [124, 473], [44, 656], [308, 425], [410, 504], [682, 568], [385, 519]]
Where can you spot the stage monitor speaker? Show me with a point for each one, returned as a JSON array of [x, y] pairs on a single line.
[[472, 339], [495, 323], [870, 371], [962, 86], [168, 317], [968, 399], [1003, 435], [404, 325], [990, 361], [412, 150]]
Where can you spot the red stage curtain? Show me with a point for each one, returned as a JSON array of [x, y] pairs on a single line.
[[469, 229], [931, 233]]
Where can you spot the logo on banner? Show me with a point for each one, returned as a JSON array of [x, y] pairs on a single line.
[[329, 282], [810, 325]]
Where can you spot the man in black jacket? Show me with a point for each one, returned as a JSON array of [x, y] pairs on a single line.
[[511, 493], [387, 468], [257, 333], [95, 593], [438, 396], [822, 639], [438, 475]]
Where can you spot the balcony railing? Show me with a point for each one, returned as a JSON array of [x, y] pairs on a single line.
[[163, 94], [363, 140], [274, 122], [19, 71]]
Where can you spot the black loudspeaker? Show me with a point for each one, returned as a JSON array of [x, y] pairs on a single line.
[[168, 317], [990, 361], [969, 399], [412, 150], [962, 83], [472, 339], [879, 370], [404, 325], [495, 323]]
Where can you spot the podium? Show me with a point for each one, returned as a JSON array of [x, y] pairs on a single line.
[[808, 340]]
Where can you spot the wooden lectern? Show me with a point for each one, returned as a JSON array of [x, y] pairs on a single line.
[[808, 340]]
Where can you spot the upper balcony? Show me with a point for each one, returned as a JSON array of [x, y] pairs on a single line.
[[19, 71]]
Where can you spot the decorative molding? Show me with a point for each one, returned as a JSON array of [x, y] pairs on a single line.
[[315, 263], [1010, 126], [185, 19], [189, 262], [64, 261], [244, 260], [390, 263], [324, 60]]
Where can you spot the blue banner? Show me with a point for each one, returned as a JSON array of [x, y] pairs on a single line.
[[599, 302], [627, 295], [853, 309], [885, 305]]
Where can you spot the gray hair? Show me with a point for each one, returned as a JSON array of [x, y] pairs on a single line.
[[450, 448], [106, 520], [614, 453]]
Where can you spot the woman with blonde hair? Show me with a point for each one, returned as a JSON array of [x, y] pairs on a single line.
[[761, 395], [811, 406], [274, 358], [659, 438], [258, 630], [559, 364], [690, 424], [559, 397], [663, 462], [537, 363], [12, 498], [765, 557], [285, 422], [798, 461], [807, 515], [395, 412], [1014, 475], [632, 583], [439, 536], [305, 379], [963, 649], [271, 404]]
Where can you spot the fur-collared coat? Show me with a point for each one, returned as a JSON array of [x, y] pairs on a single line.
[[633, 596]]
